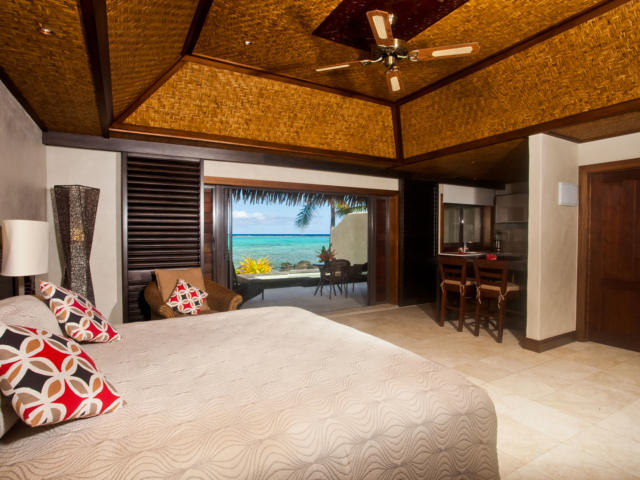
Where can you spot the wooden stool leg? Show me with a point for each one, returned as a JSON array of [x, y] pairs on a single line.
[[443, 307], [503, 307], [476, 329], [463, 304]]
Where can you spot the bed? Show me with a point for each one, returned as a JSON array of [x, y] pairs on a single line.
[[268, 393]]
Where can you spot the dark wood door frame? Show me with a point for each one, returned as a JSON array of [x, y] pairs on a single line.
[[584, 215], [392, 220]]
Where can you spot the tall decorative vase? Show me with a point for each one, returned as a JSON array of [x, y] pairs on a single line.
[[75, 217]]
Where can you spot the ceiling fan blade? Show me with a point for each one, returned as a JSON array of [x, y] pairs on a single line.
[[359, 63], [452, 51], [394, 80], [381, 26]]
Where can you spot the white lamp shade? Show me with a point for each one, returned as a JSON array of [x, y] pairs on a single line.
[[25, 248]]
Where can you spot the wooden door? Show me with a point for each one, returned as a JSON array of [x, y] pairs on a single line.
[[378, 264], [613, 317]]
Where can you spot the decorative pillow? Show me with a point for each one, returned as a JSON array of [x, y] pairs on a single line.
[[50, 379], [28, 311], [168, 279], [187, 299], [81, 320]]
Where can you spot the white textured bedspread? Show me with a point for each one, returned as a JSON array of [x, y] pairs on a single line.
[[268, 393]]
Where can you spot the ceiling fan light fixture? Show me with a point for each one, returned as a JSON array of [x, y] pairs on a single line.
[[46, 31], [381, 28], [246, 43], [453, 51], [395, 84]]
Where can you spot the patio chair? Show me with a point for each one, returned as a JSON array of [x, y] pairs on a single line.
[[357, 272], [336, 274], [247, 290]]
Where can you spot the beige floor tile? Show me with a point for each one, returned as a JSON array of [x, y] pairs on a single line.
[[482, 371], [548, 420], [507, 463], [504, 400], [587, 357], [602, 392], [623, 423], [524, 387], [509, 362], [560, 373], [627, 368], [582, 407], [622, 382], [521, 441], [526, 473], [609, 447], [633, 408], [567, 463]]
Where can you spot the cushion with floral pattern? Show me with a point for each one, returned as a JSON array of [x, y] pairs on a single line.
[[187, 299]]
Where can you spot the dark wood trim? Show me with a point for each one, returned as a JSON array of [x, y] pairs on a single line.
[[441, 224], [302, 187], [584, 228], [257, 72], [563, 137], [164, 76], [597, 10], [94, 21], [172, 150], [245, 142], [463, 182], [583, 117], [397, 133], [393, 242], [199, 18], [125, 237], [540, 346], [202, 228], [6, 80]]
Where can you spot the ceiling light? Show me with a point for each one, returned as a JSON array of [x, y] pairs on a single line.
[[452, 51], [395, 84], [246, 43], [46, 31]]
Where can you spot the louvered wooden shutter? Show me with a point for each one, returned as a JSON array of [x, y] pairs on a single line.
[[162, 223]]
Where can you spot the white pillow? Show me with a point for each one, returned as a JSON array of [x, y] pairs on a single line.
[[25, 311]]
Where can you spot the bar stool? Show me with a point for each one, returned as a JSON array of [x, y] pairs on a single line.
[[453, 272], [491, 282]]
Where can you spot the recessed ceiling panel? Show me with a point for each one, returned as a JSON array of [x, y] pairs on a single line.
[[282, 40], [605, 128], [348, 23]]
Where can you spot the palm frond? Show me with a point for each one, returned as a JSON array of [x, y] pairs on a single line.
[[342, 209], [305, 215]]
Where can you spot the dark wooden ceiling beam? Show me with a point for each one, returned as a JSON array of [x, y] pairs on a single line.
[[13, 89], [94, 22], [584, 117], [597, 10], [145, 147], [199, 18], [397, 133]]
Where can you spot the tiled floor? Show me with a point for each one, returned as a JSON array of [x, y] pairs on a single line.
[[303, 297], [570, 413]]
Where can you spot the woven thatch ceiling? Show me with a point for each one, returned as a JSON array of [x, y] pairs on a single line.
[[180, 70]]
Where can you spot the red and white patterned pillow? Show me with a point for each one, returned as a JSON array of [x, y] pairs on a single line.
[[81, 320], [187, 299], [50, 379]]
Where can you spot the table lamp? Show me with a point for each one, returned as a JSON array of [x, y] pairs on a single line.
[[25, 250]]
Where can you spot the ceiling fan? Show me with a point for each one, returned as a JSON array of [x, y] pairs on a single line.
[[389, 50]]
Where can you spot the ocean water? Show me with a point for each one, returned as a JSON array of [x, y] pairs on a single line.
[[279, 248]]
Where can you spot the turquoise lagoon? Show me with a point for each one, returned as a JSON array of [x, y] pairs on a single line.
[[279, 248]]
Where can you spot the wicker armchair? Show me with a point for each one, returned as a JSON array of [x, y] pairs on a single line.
[[220, 299]]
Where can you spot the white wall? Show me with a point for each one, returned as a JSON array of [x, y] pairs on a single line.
[[70, 166], [23, 169], [350, 238], [295, 175], [553, 239], [467, 195], [625, 147]]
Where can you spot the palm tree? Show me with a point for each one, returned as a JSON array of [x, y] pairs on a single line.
[[306, 213]]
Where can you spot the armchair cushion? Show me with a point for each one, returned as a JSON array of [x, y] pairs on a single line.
[[168, 280], [187, 299]]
